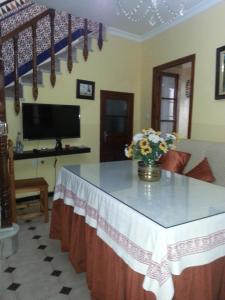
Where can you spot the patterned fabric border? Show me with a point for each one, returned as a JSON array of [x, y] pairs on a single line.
[[159, 272], [7, 7], [42, 57], [29, 11], [196, 245]]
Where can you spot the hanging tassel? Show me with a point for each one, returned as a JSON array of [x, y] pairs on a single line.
[[52, 25], [34, 62], [69, 55], [100, 39], [16, 76], [85, 49]]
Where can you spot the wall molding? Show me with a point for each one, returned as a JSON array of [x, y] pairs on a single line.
[[124, 34]]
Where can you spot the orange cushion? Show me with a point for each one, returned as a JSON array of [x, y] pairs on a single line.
[[174, 161], [202, 171]]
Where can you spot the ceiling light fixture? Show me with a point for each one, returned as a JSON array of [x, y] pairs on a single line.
[[151, 11]]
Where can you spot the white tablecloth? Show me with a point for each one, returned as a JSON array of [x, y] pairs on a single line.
[[148, 248]]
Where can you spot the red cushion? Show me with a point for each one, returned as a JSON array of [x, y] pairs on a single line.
[[202, 171], [174, 161]]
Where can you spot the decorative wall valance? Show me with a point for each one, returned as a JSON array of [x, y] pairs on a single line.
[[25, 11]]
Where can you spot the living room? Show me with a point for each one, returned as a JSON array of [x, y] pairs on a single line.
[[125, 64]]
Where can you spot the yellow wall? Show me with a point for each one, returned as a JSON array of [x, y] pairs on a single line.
[[127, 66], [115, 68], [201, 35]]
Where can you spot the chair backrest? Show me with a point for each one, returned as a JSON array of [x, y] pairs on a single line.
[[12, 179]]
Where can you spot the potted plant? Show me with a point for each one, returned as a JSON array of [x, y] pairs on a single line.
[[148, 146]]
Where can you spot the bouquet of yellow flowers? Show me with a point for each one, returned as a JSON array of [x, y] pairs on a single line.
[[149, 145]]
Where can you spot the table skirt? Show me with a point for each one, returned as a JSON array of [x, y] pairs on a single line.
[[110, 278]]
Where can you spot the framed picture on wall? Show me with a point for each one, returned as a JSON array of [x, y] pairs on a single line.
[[220, 73], [85, 89]]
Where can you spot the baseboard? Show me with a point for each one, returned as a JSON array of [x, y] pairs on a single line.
[[31, 198]]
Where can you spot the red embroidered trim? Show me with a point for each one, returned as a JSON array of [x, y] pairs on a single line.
[[196, 245]]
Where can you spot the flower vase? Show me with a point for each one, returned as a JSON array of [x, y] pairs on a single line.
[[150, 172]]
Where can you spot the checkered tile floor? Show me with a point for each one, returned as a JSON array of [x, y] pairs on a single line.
[[39, 270]]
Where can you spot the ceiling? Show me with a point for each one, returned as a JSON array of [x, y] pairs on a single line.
[[106, 11]]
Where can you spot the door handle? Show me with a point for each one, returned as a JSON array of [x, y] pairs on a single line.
[[105, 136]]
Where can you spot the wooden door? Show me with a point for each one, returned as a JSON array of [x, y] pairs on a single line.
[[116, 124]]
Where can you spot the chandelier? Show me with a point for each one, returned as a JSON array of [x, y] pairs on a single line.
[[152, 11]]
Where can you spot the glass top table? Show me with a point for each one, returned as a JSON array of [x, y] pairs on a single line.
[[172, 201]]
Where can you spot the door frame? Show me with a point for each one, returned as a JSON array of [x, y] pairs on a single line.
[[114, 95], [156, 84]]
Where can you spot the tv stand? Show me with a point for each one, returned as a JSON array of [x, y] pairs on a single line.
[[36, 153]]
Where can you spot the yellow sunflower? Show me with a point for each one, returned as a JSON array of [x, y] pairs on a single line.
[[144, 143], [146, 150], [163, 147]]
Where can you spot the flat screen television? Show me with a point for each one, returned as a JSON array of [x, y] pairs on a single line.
[[50, 121]]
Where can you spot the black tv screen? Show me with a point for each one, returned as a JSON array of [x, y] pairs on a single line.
[[50, 121]]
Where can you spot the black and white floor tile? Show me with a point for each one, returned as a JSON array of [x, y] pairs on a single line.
[[39, 270]]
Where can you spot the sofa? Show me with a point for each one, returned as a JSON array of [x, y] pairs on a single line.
[[213, 151]]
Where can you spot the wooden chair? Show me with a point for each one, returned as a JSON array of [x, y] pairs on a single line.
[[28, 209]]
